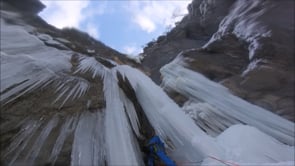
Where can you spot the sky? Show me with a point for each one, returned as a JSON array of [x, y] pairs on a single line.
[[125, 25]]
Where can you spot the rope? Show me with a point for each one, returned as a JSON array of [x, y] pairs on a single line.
[[224, 162]]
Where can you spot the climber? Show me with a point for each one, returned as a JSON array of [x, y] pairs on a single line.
[[156, 150]]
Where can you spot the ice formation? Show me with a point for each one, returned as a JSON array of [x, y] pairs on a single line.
[[228, 108], [27, 65], [121, 146], [88, 146], [110, 135]]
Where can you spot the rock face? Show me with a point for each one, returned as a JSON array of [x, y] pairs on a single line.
[[248, 46], [47, 84], [51, 80]]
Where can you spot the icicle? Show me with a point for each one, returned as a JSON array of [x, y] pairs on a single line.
[[90, 64], [88, 145], [21, 140], [70, 88], [131, 113], [35, 149], [196, 86], [66, 129], [121, 146], [168, 120], [205, 116], [26, 63]]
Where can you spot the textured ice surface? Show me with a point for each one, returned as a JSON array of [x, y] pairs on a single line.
[[66, 129], [121, 144], [246, 145], [90, 64], [167, 118], [21, 140], [27, 65], [227, 106], [88, 146]]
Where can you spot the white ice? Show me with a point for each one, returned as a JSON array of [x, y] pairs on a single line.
[[27, 65], [88, 146], [227, 106], [168, 120], [121, 144]]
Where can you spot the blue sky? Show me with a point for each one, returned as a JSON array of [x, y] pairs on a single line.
[[123, 25]]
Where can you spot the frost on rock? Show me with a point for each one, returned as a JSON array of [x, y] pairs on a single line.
[[227, 106]]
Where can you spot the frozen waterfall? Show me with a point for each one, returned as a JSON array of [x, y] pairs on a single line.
[[226, 107], [226, 127]]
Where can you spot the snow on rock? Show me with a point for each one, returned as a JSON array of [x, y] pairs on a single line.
[[228, 107]]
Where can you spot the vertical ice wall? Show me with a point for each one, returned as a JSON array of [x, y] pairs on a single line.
[[171, 124], [121, 145], [88, 146], [228, 106]]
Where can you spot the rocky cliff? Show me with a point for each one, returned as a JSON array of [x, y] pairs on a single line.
[[248, 46], [57, 84], [42, 78]]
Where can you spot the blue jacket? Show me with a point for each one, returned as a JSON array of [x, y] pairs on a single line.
[[157, 149]]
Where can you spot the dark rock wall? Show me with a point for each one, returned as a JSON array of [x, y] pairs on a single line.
[[192, 32]]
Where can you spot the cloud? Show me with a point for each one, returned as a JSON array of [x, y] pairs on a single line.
[[132, 50], [92, 30], [64, 13], [150, 15], [145, 23]]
